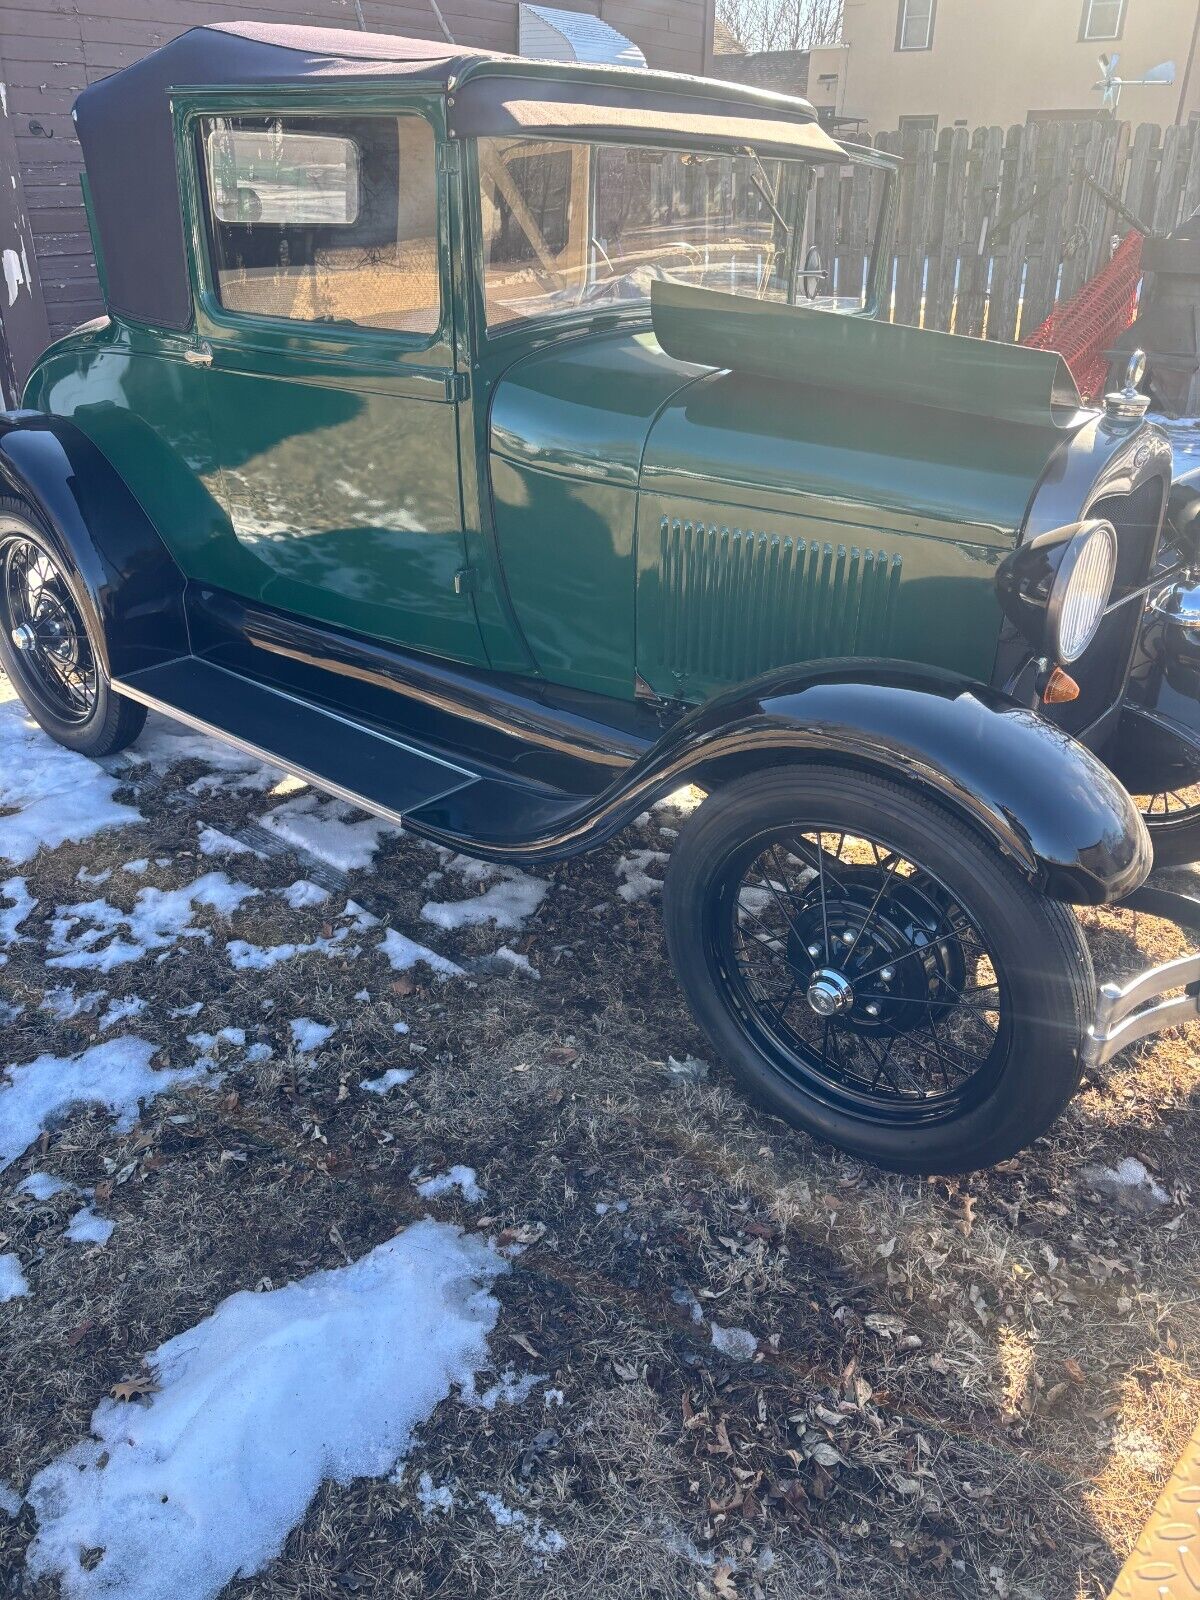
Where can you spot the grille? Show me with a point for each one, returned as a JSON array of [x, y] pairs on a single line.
[[1100, 671], [738, 601]]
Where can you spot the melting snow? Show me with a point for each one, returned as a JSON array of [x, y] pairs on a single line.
[[507, 903], [739, 1344], [85, 1227], [515, 961], [391, 1079], [164, 743], [136, 867], [326, 1378], [43, 1185], [322, 828], [304, 893], [1129, 1183], [121, 1010], [213, 842], [309, 1035], [53, 794], [541, 1541], [458, 1177], [403, 953], [256, 957], [10, 1501], [431, 1499], [63, 1003], [12, 1280], [21, 903], [159, 918], [115, 1074], [633, 870]]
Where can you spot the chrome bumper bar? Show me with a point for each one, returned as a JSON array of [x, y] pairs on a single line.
[[1132, 1011]]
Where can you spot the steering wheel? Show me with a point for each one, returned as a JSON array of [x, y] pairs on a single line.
[[814, 274]]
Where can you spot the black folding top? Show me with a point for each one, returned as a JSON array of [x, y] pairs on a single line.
[[124, 124]]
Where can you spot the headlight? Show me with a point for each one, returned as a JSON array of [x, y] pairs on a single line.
[[1081, 590]]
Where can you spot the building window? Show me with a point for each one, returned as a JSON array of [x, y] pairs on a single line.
[[912, 127], [914, 27], [324, 219], [1102, 19]]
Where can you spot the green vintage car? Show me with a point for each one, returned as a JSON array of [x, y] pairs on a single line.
[[502, 445]]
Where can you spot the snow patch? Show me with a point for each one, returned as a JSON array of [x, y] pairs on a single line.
[[324, 829], [431, 1499], [633, 870], [43, 1186], [121, 1010], [10, 1501], [508, 903], [164, 744], [115, 1074], [391, 1079], [404, 953], [1129, 1184], [739, 1344], [537, 1539], [53, 794], [326, 1378], [458, 1177], [63, 1003], [13, 1285], [304, 893], [20, 904], [213, 842], [160, 917], [308, 1035], [85, 1227]]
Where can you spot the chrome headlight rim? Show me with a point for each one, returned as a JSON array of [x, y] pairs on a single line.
[[1095, 539]]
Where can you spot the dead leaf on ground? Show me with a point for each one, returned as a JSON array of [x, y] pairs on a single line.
[[135, 1388]]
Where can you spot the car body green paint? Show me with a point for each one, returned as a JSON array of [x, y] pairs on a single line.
[[564, 497]]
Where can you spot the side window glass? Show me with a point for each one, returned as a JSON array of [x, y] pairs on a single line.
[[324, 219]]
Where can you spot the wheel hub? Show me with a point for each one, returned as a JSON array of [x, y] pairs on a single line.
[[830, 993], [23, 637]]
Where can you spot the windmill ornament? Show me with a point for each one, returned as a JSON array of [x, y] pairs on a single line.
[[1110, 84]]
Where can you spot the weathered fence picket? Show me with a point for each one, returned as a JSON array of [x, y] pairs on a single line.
[[993, 227]]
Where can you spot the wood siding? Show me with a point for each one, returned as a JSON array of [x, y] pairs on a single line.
[[48, 53]]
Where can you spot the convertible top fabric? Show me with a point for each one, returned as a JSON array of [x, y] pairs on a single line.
[[124, 125]]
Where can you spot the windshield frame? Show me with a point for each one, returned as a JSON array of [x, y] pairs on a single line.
[[540, 329]]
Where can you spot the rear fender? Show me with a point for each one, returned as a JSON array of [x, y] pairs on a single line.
[[129, 586]]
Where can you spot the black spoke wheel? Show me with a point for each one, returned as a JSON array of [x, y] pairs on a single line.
[[1172, 817], [874, 971], [53, 655], [46, 648]]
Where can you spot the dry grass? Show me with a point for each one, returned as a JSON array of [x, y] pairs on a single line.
[[962, 1388]]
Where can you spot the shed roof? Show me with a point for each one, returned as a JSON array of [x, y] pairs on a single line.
[[125, 128]]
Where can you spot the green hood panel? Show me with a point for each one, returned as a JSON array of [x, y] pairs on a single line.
[[882, 360]]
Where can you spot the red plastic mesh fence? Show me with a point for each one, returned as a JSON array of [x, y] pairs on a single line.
[[1091, 322]]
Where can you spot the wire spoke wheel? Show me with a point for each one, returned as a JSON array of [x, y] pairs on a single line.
[[859, 972], [1169, 805], [52, 652]]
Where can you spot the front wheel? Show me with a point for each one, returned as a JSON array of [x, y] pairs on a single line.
[[1172, 818], [874, 972]]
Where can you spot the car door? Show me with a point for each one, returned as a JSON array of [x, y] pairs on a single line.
[[325, 322]]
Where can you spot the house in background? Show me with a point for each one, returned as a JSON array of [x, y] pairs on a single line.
[[52, 49], [933, 63]]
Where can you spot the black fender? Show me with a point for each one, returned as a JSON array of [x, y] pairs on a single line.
[[1042, 799], [127, 582]]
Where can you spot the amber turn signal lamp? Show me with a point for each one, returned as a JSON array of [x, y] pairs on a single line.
[[1060, 687]]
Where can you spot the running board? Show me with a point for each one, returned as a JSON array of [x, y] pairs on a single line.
[[378, 773]]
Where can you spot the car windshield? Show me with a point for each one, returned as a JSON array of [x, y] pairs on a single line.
[[569, 225]]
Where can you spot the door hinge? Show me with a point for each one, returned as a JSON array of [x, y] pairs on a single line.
[[464, 581], [448, 156], [458, 386]]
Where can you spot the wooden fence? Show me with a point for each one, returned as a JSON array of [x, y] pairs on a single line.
[[993, 228]]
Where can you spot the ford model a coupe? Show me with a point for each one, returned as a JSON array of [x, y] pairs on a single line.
[[503, 445]]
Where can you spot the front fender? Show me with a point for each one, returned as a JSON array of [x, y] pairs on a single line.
[[1043, 800], [129, 585]]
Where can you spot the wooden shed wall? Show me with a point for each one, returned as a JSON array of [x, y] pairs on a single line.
[[50, 50]]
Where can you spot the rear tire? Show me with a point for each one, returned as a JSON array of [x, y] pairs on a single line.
[[973, 1070], [46, 647], [1172, 820]]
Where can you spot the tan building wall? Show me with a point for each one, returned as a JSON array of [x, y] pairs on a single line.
[[1001, 61]]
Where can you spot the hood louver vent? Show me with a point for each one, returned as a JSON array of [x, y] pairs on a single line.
[[736, 602]]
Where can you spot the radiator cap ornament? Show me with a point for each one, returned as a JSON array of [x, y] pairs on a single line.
[[1130, 404]]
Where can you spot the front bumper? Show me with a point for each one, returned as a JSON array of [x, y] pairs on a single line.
[[1137, 1009]]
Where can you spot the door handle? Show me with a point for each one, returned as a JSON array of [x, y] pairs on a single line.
[[200, 355]]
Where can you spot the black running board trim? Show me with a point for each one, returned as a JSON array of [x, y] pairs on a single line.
[[393, 778]]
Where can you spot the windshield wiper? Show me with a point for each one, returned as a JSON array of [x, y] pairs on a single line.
[[763, 184]]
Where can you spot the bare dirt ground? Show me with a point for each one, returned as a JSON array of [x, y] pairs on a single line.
[[962, 1388]]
